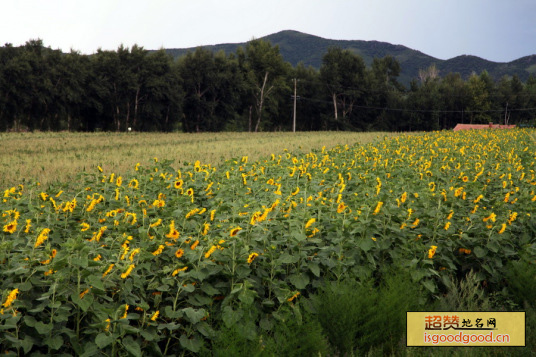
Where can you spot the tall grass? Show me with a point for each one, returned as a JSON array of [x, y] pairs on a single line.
[[49, 157]]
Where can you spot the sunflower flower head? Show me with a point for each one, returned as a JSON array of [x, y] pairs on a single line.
[[12, 296], [110, 267], [432, 251], [42, 237], [155, 315], [179, 253], [178, 184], [310, 222], [126, 312], [210, 251], [234, 231], [293, 297], [11, 227], [341, 207], [127, 272], [503, 228], [159, 250], [173, 233], [177, 271], [134, 184], [252, 257], [491, 217], [378, 208], [206, 227], [156, 223]]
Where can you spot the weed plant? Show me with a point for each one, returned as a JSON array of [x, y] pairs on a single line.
[[359, 316]]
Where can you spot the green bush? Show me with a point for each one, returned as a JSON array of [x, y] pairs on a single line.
[[287, 338], [521, 279], [360, 316], [466, 294]]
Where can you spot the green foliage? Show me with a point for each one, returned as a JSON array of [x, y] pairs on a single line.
[[466, 294], [520, 276], [287, 337], [361, 316]]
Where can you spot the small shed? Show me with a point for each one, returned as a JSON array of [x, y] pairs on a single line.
[[482, 126]]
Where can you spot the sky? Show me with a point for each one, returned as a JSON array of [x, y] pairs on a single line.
[[497, 30]]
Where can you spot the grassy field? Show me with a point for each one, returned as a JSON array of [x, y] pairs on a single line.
[[58, 157]]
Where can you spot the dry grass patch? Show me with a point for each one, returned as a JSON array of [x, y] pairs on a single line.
[[58, 157]]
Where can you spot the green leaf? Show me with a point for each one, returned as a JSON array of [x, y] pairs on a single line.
[[27, 344], [299, 236], [90, 349], [480, 252], [168, 312], [417, 275], [188, 288], [300, 281], [26, 286], [192, 344], [493, 246], [38, 308], [149, 334], [54, 343], [266, 324], [315, 269], [199, 300], [194, 316], [268, 303], [84, 303], [205, 329], [102, 340], [42, 328], [96, 282], [230, 316], [285, 258], [82, 261], [429, 284], [30, 320], [209, 289], [171, 326], [247, 296], [132, 346], [365, 244]]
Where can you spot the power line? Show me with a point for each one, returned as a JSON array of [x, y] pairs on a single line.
[[369, 91], [423, 110]]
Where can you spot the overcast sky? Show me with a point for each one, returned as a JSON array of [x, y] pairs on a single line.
[[498, 30]]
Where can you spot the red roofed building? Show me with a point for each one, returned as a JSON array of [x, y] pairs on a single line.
[[482, 126]]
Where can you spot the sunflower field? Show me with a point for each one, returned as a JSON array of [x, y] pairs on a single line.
[[158, 261]]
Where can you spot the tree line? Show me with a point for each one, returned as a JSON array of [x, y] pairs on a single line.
[[249, 90]]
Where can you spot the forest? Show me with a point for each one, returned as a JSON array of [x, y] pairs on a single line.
[[252, 89]]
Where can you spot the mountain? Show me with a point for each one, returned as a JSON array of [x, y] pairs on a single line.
[[298, 47]]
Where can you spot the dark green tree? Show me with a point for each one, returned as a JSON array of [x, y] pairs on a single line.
[[479, 104], [384, 92], [266, 72], [311, 103], [453, 95], [343, 75]]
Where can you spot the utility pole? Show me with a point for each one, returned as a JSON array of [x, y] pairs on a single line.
[[294, 117]]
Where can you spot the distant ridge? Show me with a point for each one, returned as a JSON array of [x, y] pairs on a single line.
[[298, 47]]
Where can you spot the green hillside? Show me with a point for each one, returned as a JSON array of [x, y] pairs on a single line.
[[300, 47]]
